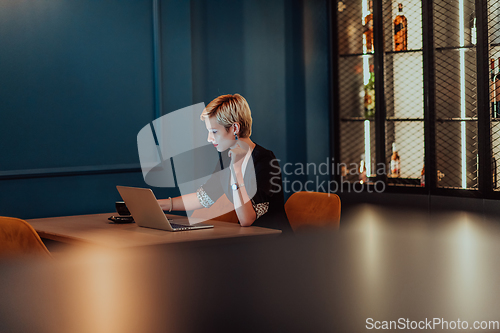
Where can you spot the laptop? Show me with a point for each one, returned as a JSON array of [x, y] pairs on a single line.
[[147, 213]]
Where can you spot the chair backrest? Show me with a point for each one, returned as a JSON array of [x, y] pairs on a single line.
[[17, 237], [221, 210], [313, 209]]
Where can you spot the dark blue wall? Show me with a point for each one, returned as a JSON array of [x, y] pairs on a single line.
[[76, 88], [80, 78]]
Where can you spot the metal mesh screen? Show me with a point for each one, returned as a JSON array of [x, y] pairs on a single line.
[[350, 25], [356, 77], [404, 91], [456, 94], [353, 148], [455, 75], [494, 55]]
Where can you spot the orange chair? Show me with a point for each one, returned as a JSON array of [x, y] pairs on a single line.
[[313, 209], [17, 237], [221, 210]]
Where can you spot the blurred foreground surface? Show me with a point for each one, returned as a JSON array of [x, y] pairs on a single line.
[[381, 265]]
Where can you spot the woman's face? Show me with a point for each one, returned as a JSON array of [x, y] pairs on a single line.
[[218, 136]]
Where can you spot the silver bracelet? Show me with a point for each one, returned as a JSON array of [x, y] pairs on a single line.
[[170, 198]]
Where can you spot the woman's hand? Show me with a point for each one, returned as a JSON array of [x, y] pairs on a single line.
[[237, 154]]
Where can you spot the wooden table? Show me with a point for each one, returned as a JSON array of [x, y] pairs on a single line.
[[383, 265], [98, 230]]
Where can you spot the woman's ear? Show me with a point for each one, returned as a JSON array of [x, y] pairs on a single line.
[[236, 128]]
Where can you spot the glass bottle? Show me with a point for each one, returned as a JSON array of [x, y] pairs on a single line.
[[369, 99], [473, 28], [368, 30], [497, 90], [495, 180], [494, 111], [395, 162], [422, 177], [362, 170], [400, 31]]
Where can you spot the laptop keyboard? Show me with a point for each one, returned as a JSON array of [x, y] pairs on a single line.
[[179, 226]]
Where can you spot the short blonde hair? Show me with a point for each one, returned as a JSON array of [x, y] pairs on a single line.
[[230, 109]]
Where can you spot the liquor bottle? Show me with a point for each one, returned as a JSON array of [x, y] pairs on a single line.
[[369, 99], [494, 172], [494, 111], [422, 177], [368, 30], [400, 31], [497, 91], [341, 6], [395, 162], [473, 28], [362, 170], [440, 175]]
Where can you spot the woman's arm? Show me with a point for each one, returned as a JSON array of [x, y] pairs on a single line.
[[185, 202], [212, 189], [242, 204]]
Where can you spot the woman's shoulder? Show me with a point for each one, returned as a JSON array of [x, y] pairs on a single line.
[[260, 153], [264, 160]]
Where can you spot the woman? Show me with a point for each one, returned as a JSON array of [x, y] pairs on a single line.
[[229, 124]]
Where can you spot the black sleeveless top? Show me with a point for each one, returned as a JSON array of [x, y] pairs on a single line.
[[264, 187]]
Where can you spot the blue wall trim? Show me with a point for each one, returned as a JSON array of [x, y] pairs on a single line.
[[72, 171]]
